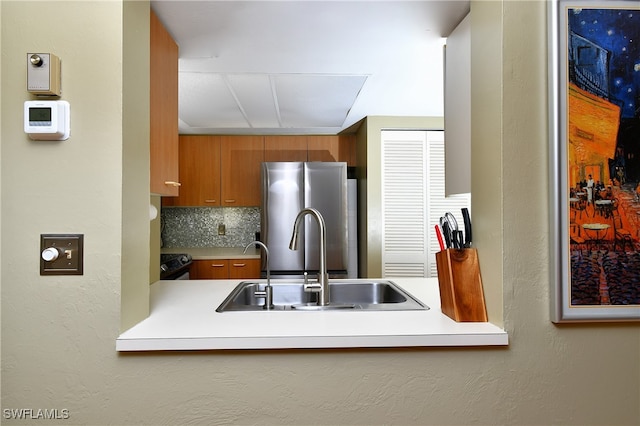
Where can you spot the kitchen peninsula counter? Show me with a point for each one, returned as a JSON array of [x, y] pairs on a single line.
[[183, 317]]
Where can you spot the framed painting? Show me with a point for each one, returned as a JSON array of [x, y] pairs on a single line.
[[594, 85]]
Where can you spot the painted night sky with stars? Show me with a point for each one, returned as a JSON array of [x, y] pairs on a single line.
[[617, 31]]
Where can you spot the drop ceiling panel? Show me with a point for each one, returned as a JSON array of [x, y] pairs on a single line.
[[206, 101], [253, 93], [316, 100]]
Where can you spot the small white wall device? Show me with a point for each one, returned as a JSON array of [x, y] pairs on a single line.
[[47, 120], [43, 74]]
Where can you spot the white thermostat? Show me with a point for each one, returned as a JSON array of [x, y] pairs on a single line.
[[47, 120]]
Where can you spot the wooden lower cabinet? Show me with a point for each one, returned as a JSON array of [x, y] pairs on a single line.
[[225, 269]]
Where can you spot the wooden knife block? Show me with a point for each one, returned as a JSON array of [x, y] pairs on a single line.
[[461, 292]]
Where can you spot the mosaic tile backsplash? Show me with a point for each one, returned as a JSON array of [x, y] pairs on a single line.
[[198, 226]]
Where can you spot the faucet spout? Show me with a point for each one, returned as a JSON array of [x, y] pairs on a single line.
[[323, 276], [268, 291]]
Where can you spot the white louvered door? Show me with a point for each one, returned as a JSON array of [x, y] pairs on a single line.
[[413, 201], [404, 177]]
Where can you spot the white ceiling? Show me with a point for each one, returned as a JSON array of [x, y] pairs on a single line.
[[306, 67]]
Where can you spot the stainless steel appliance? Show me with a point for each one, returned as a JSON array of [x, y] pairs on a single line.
[[287, 188], [175, 266]]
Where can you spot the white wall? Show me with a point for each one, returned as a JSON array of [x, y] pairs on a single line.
[[58, 334], [457, 109]]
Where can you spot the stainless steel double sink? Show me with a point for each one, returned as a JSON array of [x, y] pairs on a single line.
[[366, 295]]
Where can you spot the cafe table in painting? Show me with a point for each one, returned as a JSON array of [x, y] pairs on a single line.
[[596, 233], [604, 207]]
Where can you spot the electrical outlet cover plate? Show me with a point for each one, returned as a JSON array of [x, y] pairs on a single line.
[[69, 260]]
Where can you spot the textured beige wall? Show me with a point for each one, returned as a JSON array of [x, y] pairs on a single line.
[[488, 164], [136, 227], [155, 240], [57, 330], [58, 334]]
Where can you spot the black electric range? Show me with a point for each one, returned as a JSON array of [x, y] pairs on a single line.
[[175, 266]]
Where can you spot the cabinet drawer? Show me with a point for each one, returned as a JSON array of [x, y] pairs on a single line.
[[244, 268], [209, 270], [225, 269]]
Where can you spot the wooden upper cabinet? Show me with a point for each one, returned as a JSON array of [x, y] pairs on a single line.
[[199, 171], [311, 148], [285, 148], [224, 171], [163, 110], [332, 148], [240, 160]]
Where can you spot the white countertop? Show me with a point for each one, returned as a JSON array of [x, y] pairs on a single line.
[[183, 317]]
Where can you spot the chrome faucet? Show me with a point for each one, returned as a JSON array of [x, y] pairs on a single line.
[[268, 290], [322, 286]]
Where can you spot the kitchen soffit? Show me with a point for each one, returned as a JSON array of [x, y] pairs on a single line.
[[261, 67]]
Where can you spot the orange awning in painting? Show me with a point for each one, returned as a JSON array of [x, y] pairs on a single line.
[[592, 130]]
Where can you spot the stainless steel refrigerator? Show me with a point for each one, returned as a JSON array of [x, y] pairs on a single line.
[[287, 188]]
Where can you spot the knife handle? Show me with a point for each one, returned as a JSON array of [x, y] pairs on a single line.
[[468, 237], [447, 234], [439, 235]]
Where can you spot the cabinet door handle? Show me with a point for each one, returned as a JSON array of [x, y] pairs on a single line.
[[229, 201], [217, 265], [172, 183], [239, 265], [209, 201]]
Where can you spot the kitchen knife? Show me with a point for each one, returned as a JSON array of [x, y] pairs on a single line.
[[447, 234], [439, 235], [468, 235]]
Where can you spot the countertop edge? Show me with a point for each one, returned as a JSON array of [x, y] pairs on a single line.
[[311, 342]]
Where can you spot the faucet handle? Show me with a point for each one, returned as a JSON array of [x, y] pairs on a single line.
[[267, 293], [311, 287]]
